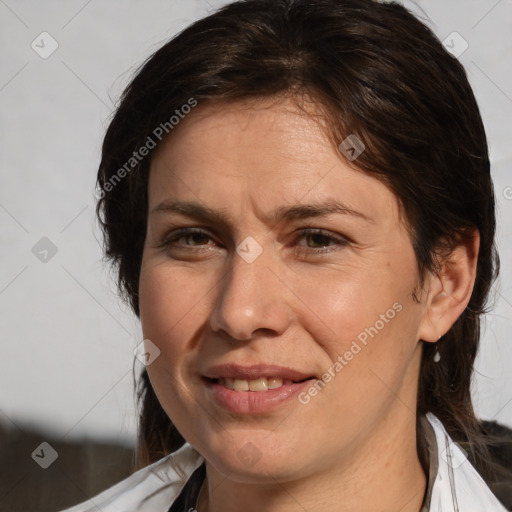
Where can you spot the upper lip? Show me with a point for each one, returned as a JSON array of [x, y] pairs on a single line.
[[236, 371]]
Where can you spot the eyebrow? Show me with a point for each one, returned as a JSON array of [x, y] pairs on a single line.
[[300, 211]]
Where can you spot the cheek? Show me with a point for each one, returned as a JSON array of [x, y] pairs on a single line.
[[169, 306], [338, 308], [366, 339], [364, 327], [167, 297], [157, 301]]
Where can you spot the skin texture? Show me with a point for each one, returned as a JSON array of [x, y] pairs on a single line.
[[353, 445]]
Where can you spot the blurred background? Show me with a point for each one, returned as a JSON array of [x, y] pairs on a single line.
[[67, 362]]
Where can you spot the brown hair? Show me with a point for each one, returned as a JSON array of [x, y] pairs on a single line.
[[374, 70]]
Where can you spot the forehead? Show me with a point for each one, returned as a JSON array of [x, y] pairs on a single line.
[[266, 151], [223, 127]]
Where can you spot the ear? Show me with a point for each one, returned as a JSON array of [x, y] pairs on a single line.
[[448, 293]]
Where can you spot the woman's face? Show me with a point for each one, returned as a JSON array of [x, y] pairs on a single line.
[[248, 262]]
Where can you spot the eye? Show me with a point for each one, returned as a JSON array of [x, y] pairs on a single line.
[[324, 239], [193, 235], [194, 239]]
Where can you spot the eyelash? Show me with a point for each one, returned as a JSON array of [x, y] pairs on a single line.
[[185, 232]]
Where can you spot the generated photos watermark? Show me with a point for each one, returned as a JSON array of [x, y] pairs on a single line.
[[352, 147], [355, 348], [151, 141], [146, 352]]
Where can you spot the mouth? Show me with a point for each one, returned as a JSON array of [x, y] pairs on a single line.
[[260, 384], [254, 389]]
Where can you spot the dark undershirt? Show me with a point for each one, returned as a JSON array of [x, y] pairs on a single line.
[[187, 499]]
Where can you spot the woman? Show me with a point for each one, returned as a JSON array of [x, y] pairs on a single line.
[[298, 198]]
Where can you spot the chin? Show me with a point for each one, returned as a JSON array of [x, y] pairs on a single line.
[[263, 472], [246, 461]]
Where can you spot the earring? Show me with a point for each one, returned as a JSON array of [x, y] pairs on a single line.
[[437, 355]]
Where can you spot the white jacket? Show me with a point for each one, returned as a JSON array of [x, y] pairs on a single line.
[[457, 486]]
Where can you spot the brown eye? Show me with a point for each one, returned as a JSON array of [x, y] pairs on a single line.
[[324, 239], [192, 237]]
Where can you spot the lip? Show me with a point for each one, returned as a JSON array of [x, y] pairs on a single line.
[[253, 402], [236, 371]]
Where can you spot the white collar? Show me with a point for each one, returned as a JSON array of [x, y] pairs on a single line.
[[457, 486]]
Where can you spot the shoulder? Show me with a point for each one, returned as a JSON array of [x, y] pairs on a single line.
[[152, 488], [457, 486]]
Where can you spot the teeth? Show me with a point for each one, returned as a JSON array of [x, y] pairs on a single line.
[[274, 383], [261, 384], [258, 384], [240, 385]]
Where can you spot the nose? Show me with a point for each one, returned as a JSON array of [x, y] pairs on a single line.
[[251, 297]]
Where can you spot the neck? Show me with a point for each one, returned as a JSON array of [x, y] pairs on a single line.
[[384, 474]]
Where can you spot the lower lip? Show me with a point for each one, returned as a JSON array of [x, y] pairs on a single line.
[[254, 402]]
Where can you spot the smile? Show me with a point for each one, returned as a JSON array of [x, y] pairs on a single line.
[[253, 397], [259, 384]]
